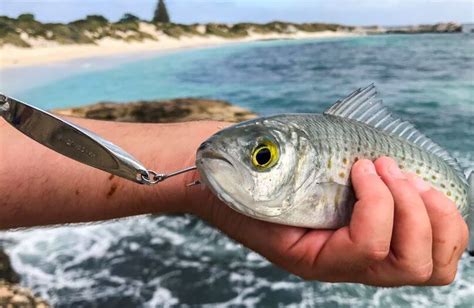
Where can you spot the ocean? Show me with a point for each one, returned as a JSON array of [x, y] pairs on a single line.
[[179, 260]]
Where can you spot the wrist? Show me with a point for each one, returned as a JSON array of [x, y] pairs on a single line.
[[174, 195]]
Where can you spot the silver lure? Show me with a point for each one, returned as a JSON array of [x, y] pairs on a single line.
[[77, 143]]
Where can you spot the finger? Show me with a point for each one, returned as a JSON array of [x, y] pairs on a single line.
[[411, 244], [449, 232], [367, 238], [372, 218]]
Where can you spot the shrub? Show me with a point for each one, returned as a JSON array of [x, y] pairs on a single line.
[[13, 39], [225, 31], [127, 18], [26, 17]]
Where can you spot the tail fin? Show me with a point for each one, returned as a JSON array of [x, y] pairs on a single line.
[[470, 218]]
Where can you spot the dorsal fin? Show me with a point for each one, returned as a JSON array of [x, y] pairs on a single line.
[[364, 106]]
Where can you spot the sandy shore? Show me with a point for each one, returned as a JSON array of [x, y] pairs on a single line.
[[46, 53]]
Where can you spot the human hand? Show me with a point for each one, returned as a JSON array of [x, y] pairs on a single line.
[[402, 232]]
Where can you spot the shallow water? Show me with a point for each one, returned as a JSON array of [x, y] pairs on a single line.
[[427, 79]]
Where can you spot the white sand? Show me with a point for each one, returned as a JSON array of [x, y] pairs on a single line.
[[46, 52]]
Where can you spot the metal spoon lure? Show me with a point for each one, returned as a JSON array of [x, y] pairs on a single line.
[[78, 143]]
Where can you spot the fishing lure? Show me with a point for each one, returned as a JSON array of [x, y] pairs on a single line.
[[78, 143]]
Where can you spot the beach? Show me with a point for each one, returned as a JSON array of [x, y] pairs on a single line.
[[45, 52]]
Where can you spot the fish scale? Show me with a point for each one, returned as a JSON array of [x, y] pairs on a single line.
[[345, 137], [307, 182]]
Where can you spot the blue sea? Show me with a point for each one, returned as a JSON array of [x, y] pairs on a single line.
[[179, 260]]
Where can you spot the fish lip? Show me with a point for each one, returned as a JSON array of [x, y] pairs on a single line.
[[214, 155], [235, 205]]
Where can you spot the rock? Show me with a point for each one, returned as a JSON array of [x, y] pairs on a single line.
[[11, 294], [6, 271], [20, 299], [370, 30], [5, 293], [167, 111], [449, 27]]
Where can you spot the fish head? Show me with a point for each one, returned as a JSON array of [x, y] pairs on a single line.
[[252, 166]]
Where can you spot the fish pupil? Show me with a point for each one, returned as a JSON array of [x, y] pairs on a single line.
[[263, 156]]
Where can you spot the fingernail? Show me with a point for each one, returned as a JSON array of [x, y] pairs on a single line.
[[419, 184], [369, 168], [395, 172]]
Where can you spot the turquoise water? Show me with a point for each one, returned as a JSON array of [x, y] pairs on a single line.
[[427, 79]]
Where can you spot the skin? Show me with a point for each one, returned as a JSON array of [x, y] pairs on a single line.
[[402, 231]]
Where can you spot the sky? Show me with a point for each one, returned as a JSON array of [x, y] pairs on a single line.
[[350, 12]]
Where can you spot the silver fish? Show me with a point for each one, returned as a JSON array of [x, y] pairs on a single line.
[[294, 169]]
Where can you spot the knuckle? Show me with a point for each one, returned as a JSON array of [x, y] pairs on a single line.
[[376, 251], [419, 273], [447, 277]]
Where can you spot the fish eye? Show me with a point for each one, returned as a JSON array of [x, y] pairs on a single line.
[[265, 155]]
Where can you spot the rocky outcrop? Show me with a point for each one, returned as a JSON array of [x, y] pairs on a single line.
[[449, 27], [11, 294], [6, 271], [167, 111]]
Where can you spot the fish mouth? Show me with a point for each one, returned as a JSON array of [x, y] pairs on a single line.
[[216, 176], [215, 185], [214, 155], [208, 163]]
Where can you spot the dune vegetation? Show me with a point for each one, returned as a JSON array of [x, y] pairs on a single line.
[[19, 31], [16, 31], [24, 29]]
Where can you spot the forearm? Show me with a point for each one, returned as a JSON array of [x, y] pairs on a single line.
[[40, 187]]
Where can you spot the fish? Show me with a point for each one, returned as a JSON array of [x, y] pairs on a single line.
[[294, 169]]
